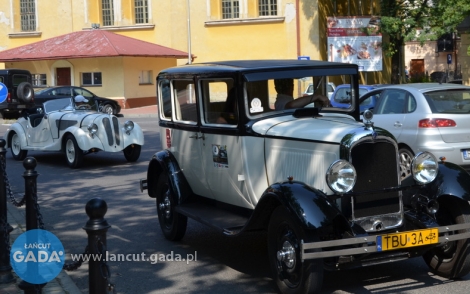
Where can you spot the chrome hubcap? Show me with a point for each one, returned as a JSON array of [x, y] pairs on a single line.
[[287, 254], [165, 207]]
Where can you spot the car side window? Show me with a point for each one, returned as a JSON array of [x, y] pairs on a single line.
[[184, 101], [392, 102], [164, 99], [219, 101], [62, 92]]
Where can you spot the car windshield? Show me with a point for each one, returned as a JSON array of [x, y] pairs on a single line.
[[263, 95], [58, 104], [449, 101]]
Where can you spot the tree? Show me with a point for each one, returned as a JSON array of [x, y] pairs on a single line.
[[422, 20]]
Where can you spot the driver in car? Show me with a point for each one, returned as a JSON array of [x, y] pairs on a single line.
[[81, 102], [285, 96]]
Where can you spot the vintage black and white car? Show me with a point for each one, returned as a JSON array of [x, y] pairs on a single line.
[[76, 131], [323, 184]]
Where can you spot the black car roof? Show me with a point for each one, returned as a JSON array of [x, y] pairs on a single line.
[[252, 66]]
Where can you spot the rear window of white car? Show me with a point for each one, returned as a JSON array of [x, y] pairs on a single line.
[[449, 101]]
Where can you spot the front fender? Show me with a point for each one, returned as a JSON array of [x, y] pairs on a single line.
[[451, 180], [164, 161], [308, 206], [18, 129], [84, 140], [136, 136]]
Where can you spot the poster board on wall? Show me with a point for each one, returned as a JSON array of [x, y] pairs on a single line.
[[355, 39]]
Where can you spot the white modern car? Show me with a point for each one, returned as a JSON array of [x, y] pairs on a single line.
[[429, 117], [59, 126]]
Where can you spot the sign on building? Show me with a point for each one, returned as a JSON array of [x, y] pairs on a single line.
[[355, 39]]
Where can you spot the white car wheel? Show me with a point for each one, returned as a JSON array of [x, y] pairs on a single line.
[[406, 156], [73, 153], [15, 147]]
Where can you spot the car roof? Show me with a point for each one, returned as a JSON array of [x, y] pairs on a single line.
[[425, 87], [253, 66]]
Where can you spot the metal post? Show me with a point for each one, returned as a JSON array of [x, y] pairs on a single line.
[[5, 267], [30, 192], [96, 228]]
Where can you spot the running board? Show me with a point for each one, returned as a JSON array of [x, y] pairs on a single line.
[[221, 219]]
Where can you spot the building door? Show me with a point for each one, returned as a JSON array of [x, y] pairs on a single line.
[[63, 76], [417, 68]]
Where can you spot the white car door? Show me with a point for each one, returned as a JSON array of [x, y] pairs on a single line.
[[38, 132], [389, 114]]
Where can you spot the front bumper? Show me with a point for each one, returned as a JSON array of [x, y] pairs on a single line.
[[368, 244]]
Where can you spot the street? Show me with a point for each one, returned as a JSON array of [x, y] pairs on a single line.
[[219, 264]]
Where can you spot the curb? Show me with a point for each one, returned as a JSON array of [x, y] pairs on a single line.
[[60, 284]]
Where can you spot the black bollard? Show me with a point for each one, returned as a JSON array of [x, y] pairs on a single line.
[[30, 194], [6, 275], [96, 228]]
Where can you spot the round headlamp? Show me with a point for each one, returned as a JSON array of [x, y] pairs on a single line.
[[92, 129], [128, 126], [424, 167], [341, 176]]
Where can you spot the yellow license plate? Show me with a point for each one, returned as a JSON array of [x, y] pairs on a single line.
[[407, 239]]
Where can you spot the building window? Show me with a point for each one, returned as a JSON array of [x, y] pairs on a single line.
[[145, 77], [230, 9], [267, 7], [28, 15], [39, 80], [141, 11], [91, 78], [108, 12]]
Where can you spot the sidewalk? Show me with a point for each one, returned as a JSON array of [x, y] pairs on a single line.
[[145, 111], [62, 284]]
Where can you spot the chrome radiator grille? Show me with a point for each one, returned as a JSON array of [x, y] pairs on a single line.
[[112, 131], [376, 167]]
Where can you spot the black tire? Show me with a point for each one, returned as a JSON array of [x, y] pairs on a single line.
[[291, 276], [15, 147], [132, 152], [452, 260], [73, 153], [173, 224], [405, 156], [109, 109], [25, 92]]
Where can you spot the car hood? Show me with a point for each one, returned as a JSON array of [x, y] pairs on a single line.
[[328, 127], [83, 118]]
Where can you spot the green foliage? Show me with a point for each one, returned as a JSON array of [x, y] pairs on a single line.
[[420, 20]]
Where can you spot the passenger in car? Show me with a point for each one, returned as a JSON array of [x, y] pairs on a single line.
[[285, 96], [230, 114]]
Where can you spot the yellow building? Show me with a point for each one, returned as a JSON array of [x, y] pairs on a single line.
[[207, 29]]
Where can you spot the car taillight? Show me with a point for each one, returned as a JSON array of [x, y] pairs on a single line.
[[168, 138], [8, 98], [436, 123]]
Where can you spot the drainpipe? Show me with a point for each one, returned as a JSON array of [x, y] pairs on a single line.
[[297, 25]]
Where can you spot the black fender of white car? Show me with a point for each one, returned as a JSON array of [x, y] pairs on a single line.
[[164, 161], [452, 181]]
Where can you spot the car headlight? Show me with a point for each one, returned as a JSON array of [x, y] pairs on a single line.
[[424, 167], [92, 129], [128, 126], [341, 176]]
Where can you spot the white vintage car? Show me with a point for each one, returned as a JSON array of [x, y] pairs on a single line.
[[324, 185], [60, 126]]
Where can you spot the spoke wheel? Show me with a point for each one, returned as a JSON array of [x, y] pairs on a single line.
[[289, 272], [15, 148], [73, 153], [173, 224], [452, 260], [406, 156]]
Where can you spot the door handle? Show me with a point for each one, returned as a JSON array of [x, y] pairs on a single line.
[[397, 124], [197, 136]]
